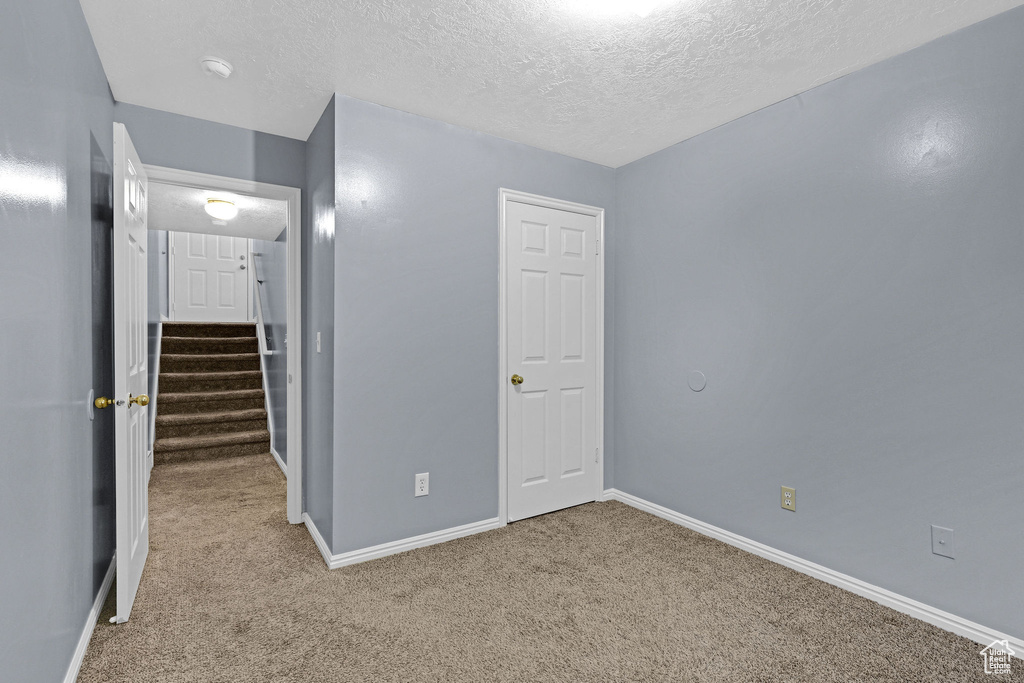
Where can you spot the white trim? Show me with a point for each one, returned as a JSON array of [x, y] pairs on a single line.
[[249, 316], [156, 391], [505, 196], [321, 544], [293, 196], [394, 547], [918, 610], [170, 274], [90, 623], [261, 331], [280, 462], [266, 400]]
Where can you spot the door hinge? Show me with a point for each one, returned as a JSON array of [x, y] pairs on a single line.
[[597, 455], [597, 247]]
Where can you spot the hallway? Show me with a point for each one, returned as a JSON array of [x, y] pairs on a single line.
[[232, 592]]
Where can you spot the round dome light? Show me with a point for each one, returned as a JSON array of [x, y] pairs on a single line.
[[221, 209]]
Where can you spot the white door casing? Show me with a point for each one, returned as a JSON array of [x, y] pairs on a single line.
[[552, 299], [209, 278], [293, 336], [130, 370]]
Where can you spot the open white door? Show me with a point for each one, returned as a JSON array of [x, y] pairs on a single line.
[[130, 370]]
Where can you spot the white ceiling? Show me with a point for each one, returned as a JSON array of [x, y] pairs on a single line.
[[183, 209], [605, 87]]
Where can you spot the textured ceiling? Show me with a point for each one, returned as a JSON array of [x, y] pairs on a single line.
[[602, 86], [183, 209]]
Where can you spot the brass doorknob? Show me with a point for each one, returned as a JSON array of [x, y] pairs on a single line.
[[103, 402], [517, 380], [140, 400]]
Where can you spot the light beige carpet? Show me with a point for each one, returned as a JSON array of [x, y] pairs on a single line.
[[600, 592]]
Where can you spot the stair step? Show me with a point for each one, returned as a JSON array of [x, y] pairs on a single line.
[[201, 424], [208, 345], [175, 403], [208, 396], [184, 329], [210, 381], [201, 362], [184, 443], [221, 416], [212, 453]]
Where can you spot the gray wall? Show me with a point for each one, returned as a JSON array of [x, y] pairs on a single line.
[[56, 467], [272, 268], [845, 267], [182, 142], [416, 309], [318, 315]]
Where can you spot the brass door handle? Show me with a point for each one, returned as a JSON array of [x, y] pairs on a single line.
[[140, 400], [517, 380], [103, 402]]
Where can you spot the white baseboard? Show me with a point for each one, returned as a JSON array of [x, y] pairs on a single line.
[[918, 610], [280, 462], [394, 547], [321, 544], [90, 624]]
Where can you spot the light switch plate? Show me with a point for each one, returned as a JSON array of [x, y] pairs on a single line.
[[942, 541]]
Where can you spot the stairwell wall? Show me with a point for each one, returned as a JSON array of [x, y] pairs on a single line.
[[272, 268]]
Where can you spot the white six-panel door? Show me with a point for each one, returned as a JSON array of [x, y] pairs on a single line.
[[551, 337], [130, 370], [210, 278]]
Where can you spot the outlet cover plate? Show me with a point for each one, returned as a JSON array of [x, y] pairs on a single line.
[[942, 541], [789, 499], [422, 484]]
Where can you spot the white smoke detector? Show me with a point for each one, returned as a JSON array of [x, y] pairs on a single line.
[[214, 66]]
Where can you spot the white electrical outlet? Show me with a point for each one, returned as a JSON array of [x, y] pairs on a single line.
[[423, 484], [788, 498]]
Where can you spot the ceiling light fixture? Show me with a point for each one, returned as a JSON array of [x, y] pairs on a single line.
[[215, 66], [221, 209]]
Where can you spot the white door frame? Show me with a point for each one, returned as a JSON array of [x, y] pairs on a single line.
[[293, 196], [506, 196]]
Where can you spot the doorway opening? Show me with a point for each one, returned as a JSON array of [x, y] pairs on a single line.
[[226, 255]]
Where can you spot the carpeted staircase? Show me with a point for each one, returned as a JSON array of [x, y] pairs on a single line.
[[211, 401]]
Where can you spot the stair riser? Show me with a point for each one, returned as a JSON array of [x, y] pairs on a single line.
[[212, 453], [207, 330], [209, 345], [208, 365], [209, 406], [203, 428], [170, 383]]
